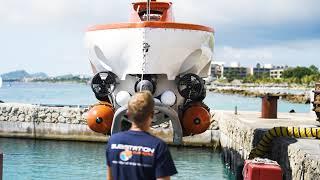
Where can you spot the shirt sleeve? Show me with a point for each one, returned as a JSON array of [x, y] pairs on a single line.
[[164, 164], [107, 153]]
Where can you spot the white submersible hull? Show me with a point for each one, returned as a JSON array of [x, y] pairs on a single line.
[[171, 51], [167, 58]]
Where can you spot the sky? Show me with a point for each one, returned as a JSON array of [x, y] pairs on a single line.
[[48, 35]]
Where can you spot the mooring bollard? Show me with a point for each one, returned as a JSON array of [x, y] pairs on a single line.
[[269, 106], [316, 102], [1, 164]]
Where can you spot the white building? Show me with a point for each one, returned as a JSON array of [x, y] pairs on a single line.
[[276, 73]]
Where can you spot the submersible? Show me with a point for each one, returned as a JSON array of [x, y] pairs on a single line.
[[150, 52]]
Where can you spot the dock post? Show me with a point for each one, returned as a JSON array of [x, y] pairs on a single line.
[[269, 108], [1, 164], [316, 102]]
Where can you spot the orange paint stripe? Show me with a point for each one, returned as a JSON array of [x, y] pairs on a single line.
[[152, 24]]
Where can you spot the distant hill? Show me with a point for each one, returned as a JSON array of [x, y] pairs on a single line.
[[39, 75], [24, 76], [20, 75], [66, 76], [15, 75]]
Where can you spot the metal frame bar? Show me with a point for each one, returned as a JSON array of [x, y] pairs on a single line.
[[172, 116], [148, 10]]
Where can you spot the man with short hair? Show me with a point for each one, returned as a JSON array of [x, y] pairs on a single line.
[[135, 154]]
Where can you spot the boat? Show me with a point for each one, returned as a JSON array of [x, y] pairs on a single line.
[[150, 52]]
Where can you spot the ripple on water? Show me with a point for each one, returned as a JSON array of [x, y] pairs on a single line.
[[37, 160]]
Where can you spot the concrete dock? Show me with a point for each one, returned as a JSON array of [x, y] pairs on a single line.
[[299, 158]]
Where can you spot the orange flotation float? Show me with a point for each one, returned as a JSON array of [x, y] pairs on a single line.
[[99, 118], [196, 119]]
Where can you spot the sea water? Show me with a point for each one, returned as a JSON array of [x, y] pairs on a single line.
[[26, 159], [81, 94]]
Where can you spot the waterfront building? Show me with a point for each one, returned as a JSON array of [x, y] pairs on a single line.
[[235, 70], [261, 71], [277, 71]]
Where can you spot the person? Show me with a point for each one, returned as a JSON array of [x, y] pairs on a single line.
[[136, 154]]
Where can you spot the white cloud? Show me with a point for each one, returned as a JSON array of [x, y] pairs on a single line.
[[230, 12], [242, 55], [292, 53], [61, 11]]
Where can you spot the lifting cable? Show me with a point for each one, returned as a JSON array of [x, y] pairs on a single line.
[[146, 46]]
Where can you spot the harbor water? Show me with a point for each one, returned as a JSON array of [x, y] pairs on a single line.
[[81, 94], [26, 159]]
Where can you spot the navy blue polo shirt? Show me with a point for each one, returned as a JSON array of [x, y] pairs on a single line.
[[138, 155]]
